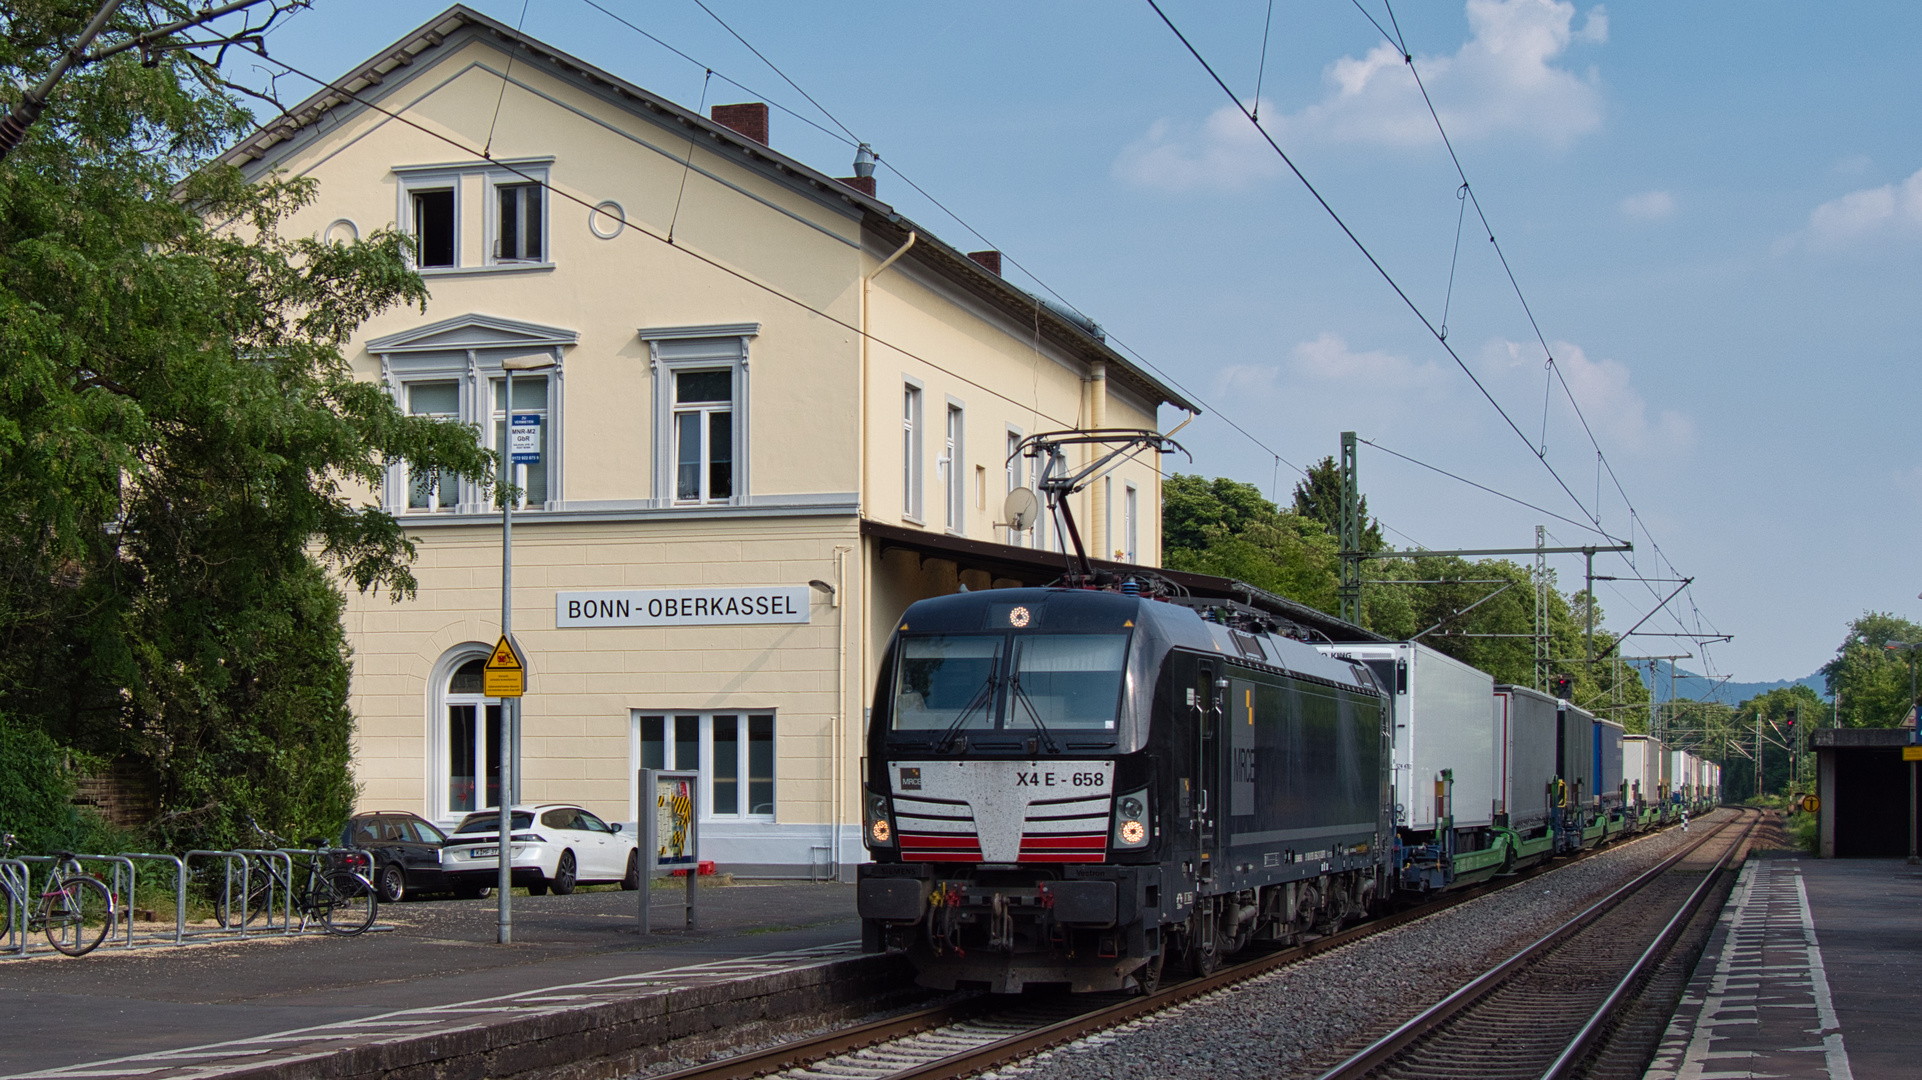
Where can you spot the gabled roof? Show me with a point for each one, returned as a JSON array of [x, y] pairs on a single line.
[[304, 121], [473, 331]]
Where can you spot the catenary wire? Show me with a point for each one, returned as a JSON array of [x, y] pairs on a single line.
[[1490, 490], [641, 229], [885, 162], [1556, 375], [1394, 285]]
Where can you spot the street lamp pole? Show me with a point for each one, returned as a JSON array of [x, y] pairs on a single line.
[[510, 726], [1915, 859]]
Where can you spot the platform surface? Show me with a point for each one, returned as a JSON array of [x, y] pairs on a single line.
[[62, 1014], [1814, 971]]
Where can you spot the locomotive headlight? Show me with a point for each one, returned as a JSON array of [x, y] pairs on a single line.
[[1131, 820], [880, 824]]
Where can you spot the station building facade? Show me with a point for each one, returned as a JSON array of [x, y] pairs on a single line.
[[758, 442]]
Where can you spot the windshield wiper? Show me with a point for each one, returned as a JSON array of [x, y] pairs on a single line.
[[1014, 683], [981, 697]]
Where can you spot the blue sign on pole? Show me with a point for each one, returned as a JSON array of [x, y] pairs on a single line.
[[524, 438]]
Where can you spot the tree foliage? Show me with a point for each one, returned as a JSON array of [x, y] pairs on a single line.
[[1871, 681], [184, 452], [1482, 612], [1318, 498]]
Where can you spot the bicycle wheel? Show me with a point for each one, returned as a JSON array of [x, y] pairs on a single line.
[[6, 913], [254, 906], [344, 903], [77, 915]]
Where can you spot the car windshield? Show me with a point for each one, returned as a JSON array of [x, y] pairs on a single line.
[[490, 822], [1068, 681], [946, 681]]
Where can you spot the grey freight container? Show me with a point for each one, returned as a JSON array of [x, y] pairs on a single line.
[[1608, 762], [1576, 751], [1442, 721], [1525, 725], [1641, 767]]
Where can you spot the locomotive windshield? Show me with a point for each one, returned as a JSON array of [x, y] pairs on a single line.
[[1046, 684], [947, 681]]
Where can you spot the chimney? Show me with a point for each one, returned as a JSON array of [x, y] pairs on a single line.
[[748, 118], [990, 260], [863, 178]]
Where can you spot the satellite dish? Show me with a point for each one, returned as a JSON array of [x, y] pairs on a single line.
[[1020, 509]]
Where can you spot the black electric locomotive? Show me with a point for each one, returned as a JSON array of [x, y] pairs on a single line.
[[1078, 786]]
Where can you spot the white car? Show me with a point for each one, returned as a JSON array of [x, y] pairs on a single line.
[[556, 846]]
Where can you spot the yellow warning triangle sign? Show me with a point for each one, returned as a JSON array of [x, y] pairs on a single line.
[[504, 658]]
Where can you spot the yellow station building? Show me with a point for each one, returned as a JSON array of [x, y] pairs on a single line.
[[757, 443]]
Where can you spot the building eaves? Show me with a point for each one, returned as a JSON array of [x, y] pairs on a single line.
[[950, 262]]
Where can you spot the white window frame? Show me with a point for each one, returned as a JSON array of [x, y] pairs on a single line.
[[439, 780], [416, 181], [954, 456], [913, 439], [490, 175], [529, 174], [672, 350], [1131, 521], [492, 434], [1107, 517], [477, 370], [406, 478], [704, 795], [1014, 468]]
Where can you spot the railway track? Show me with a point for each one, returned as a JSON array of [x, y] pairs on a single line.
[[1550, 1006], [972, 1036]]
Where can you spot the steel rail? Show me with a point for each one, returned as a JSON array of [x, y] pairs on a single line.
[[1617, 997], [1386, 1047], [804, 1052]]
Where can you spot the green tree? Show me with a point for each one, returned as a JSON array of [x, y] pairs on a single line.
[[184, 452], [1482, 613], [1318, 498], [1226, 528], [1733, 743], [1870, 682]]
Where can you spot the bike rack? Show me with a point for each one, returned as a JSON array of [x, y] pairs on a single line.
[[120, 894], [180, 893], [228, 859], [14, 874], [234, 884], [286, 892]]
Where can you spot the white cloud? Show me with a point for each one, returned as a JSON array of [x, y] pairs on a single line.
[[1868, 213], [1616, 411], [1502, 81], [1226, 153], [1648, 206]]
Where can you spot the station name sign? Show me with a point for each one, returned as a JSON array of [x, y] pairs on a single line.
[[733, 606]]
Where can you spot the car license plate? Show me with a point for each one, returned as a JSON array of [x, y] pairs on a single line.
[[484, 853]]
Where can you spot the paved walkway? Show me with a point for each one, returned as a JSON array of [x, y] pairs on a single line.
[[1814, 971], [138, 1008]]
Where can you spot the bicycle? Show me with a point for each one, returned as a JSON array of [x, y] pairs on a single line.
[[75, 909], [336, 894]]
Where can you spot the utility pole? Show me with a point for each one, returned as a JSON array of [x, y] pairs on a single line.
[[1542, 660], [1350, 587], [1758, 751]]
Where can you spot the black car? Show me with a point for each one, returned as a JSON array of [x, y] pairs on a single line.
[[406, 850]]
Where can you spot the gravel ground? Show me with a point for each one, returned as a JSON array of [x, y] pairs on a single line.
[[1304, 1018]]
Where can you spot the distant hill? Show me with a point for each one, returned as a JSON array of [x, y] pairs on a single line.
[[1692, 687]]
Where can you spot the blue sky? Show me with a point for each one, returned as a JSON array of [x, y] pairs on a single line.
[[1714, 211]]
